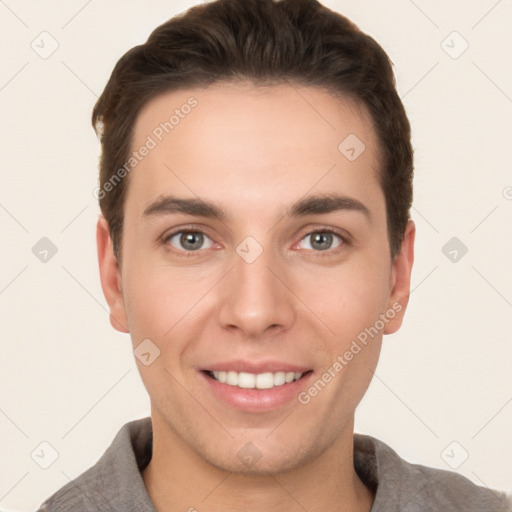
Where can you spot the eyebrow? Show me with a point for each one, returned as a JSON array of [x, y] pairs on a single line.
[[168, 205], [311, 205], [327, 203]]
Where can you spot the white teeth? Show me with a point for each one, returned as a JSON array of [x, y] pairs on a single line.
[[265, 380], [232, 378], [245, 380], [259, 381], [279, 378]]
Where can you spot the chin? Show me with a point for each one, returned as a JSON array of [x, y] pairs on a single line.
[[265, 466]]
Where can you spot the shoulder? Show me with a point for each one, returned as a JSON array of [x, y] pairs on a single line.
[[448, 491], [415, 488], [114, 477], [83, 493]]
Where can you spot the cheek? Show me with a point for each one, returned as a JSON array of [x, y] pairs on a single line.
[[160, 307], [348, 298], [153, 301], [144, 305], [161, 302]]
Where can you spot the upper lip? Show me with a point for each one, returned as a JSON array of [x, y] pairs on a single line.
[[256, 367]]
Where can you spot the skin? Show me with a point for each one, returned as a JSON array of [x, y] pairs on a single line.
[[254, 151]]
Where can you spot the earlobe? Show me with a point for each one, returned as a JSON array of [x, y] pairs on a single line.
[[110, 276], [402, 269]]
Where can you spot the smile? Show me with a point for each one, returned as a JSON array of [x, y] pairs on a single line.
[[246, 380]]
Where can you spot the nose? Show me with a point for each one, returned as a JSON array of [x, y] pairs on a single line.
[[255, 300]]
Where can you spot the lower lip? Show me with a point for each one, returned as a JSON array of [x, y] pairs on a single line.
[[257, 400]]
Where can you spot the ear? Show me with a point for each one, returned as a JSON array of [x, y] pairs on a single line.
[[110, 275], [401, 279]]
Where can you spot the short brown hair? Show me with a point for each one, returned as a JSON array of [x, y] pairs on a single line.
[[264, 41]]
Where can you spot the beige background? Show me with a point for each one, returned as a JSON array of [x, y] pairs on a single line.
[[67, 378]]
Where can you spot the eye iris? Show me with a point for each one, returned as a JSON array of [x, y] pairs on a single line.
[[191, 241], [324, 241]]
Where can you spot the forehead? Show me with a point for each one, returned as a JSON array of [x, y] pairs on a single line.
[[255, 141]]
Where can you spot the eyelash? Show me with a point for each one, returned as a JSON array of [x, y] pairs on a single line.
[[329, 252], [182, 253], [188, 254]]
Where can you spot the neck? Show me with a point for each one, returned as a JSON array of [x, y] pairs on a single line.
[[177, 478]]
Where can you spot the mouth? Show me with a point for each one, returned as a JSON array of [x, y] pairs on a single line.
[[256, 390], [245, 380]]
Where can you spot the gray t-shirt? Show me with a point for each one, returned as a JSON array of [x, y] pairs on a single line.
[[115, 482]]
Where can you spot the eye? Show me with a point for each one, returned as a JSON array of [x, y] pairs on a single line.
[[322, 240], [188, 240]]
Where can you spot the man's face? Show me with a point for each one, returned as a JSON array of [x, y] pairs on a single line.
[[270, 287]]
